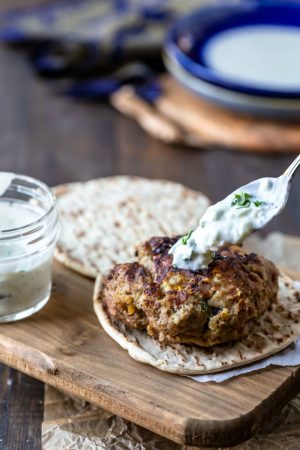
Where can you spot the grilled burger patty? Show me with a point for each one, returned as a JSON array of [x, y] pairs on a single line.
[[203, 307]]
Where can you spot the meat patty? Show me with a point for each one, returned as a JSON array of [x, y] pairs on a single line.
[[203, 307]]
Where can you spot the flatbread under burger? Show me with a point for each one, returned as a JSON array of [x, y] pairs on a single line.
[[102, 220], [277, 328]]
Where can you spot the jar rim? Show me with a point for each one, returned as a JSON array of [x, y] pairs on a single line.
[[26, 229]]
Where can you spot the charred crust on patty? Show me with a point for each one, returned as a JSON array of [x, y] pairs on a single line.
[[204, 307]]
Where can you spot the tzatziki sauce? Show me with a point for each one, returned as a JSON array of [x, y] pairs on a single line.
[[28, 233], [24, 279], [231, 221]]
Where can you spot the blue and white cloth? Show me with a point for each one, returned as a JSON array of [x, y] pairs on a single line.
[[80, 35]]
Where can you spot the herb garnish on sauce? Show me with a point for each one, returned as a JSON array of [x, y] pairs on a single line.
[[243, 200], [185, 238]]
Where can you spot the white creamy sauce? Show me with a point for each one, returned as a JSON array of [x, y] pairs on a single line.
[[25, 273], [23, 289], [258, 55], [225, 223], [5, 181], [16, 215]]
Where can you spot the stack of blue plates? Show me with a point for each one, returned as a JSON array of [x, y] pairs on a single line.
[[244, 56]]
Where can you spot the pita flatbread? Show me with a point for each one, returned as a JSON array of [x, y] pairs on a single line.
[[103, 220], [275, 330]]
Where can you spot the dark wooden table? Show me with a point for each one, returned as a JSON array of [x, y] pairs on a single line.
[[58, 140]]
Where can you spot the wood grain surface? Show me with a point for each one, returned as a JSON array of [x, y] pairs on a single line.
[[64, 345], [203, 123], [21, 410]]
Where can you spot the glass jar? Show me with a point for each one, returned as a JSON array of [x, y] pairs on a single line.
[[28, 234]]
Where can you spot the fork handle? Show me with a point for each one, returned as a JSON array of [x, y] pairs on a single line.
[[290, 171]]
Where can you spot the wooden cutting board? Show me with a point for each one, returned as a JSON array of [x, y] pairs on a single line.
[[64, 345], [179, 116]]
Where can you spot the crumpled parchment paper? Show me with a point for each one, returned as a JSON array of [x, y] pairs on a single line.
[[72, 424], [288, 357]]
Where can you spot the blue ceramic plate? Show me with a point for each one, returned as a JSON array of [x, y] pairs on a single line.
[[250, 47], [275, 108]]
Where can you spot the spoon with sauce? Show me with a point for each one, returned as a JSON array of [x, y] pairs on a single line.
[[233, 219]]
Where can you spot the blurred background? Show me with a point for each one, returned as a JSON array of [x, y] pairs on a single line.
[[85, 93]]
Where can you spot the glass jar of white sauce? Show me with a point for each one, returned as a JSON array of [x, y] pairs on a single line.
[[28, 233]]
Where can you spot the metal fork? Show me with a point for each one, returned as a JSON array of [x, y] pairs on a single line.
[[290, 171]]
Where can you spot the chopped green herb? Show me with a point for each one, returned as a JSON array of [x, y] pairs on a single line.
[[243, 200], [205, 306], [185, 238], [209, 310], [5, 296]]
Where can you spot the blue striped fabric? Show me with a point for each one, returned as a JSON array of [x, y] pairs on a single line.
[[128, 25], [77, 36]]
